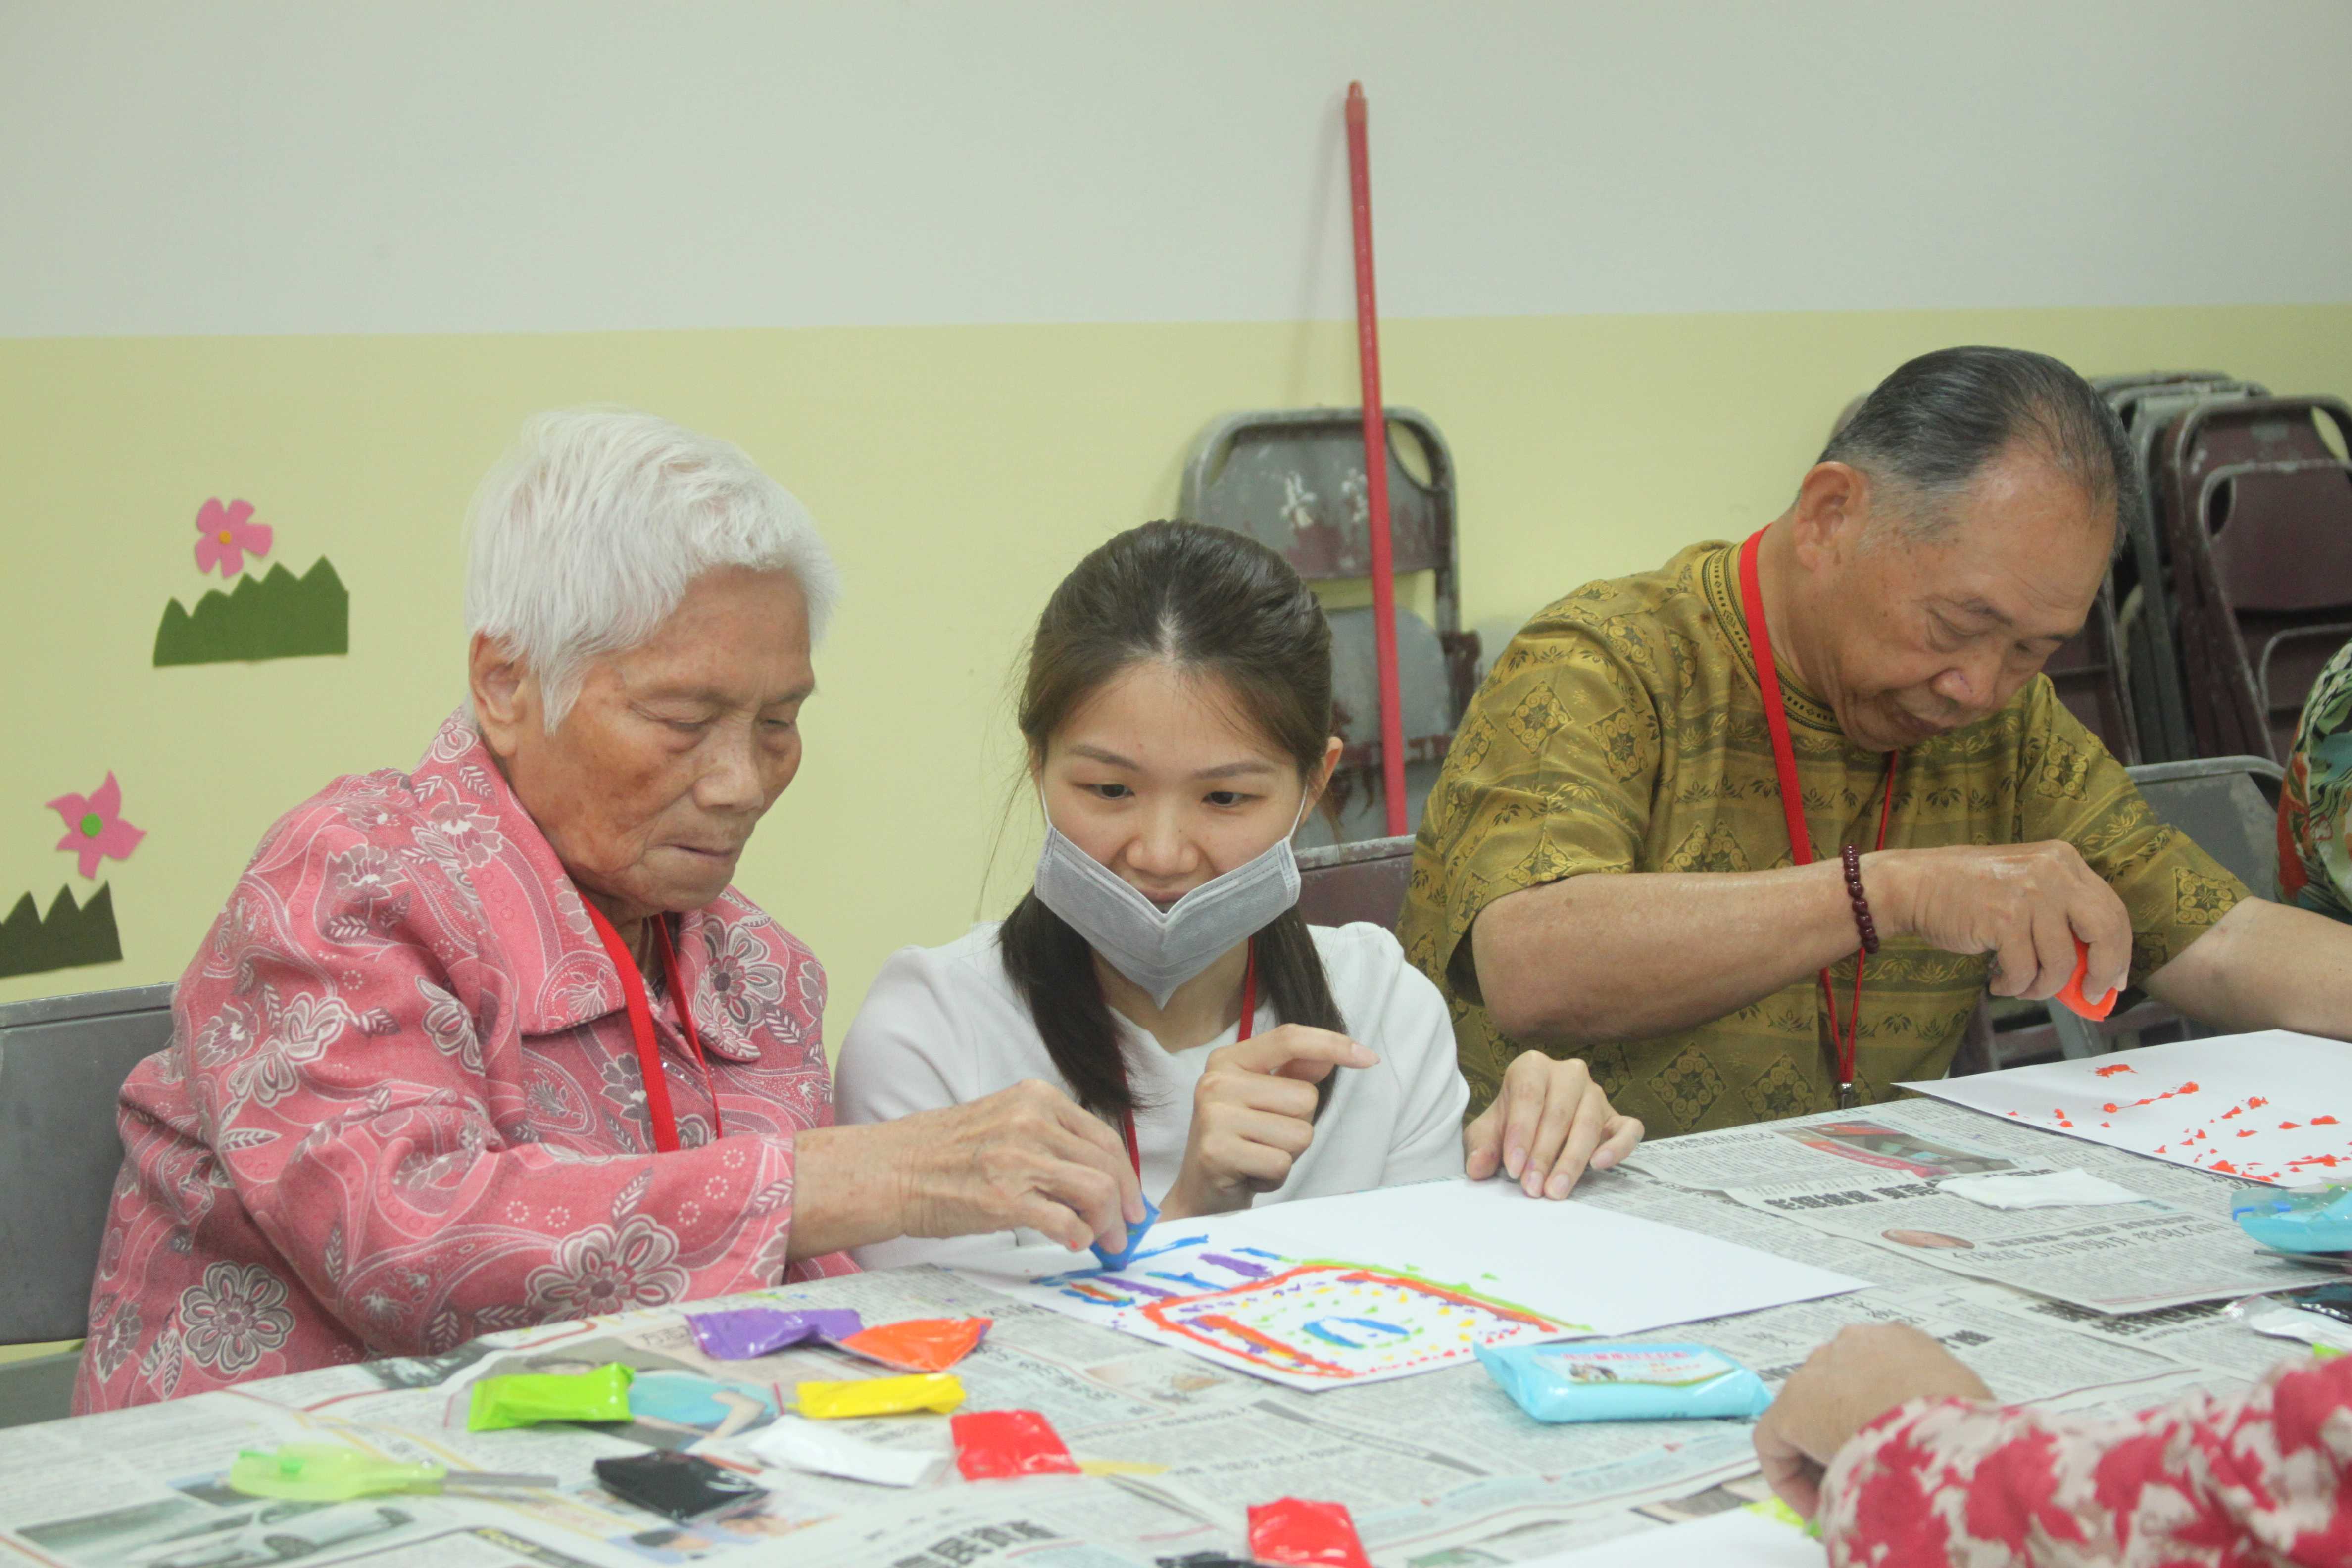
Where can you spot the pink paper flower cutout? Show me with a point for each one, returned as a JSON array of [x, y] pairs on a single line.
[[224, 536], [94, 827]]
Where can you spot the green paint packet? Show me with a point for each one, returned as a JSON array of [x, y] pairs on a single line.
[[525, 1399]]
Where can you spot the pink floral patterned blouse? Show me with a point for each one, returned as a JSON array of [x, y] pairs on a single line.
[[2257, 1481], [402, 1105]]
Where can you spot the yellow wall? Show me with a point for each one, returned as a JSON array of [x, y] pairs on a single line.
[[957, 472]]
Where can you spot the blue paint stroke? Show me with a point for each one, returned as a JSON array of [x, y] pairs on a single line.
[[1195, 1280], [1376, 1327], [1053, 1282]]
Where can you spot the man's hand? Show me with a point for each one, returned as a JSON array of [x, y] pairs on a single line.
[[1845, 1386], [1549, 1122], [1254, 1115], [1025, 1156], [2022, 903]]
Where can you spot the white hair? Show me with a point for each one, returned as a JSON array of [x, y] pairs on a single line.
[[584, 537]]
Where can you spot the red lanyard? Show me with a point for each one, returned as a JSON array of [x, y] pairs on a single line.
[[641, 1025], [1249, 1022], [1792, 800]]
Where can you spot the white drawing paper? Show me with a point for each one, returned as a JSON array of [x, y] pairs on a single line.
[[2272, 1106], [1324, 1292]]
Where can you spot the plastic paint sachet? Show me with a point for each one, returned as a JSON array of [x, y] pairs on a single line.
[[2300, 1219], [740, 1333], [999, 1445], [1293, 1529], [1135, 1234], [525, 1399], [330, 1472], [937, 1391], [2071, 994], [326, 1472], [919, 1344], [1589, 1381]]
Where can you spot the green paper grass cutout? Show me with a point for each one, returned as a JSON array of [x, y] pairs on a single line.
[[67, 937], [278, 616]]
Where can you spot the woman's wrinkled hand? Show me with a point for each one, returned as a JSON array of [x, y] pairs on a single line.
[[1849, 1382], [1027, 1156], [1254, 1115], [1550, 1123]]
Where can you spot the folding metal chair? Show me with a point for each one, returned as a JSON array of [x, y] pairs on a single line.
[[1341, 883], [2146, 617], [1294, 481], [62, 1063], [2258, 520]]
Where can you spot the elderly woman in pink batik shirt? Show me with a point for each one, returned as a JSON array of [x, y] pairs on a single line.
[[494, 1041]]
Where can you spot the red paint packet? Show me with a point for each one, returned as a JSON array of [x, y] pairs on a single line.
[[1293, 1530], [2072, 992], [919, 1344], [999, 1445]]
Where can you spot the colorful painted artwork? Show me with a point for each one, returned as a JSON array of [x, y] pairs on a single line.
[[1308, 1322], [2271, 1107], [276, 616], [67, 937], [1324, 1292]]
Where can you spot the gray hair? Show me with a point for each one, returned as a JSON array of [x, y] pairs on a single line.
[[585, 536], [1927, 431]]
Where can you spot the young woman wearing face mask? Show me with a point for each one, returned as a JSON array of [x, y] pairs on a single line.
[[1178, 715]]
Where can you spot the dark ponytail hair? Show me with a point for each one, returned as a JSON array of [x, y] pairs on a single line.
[[1209, 601]]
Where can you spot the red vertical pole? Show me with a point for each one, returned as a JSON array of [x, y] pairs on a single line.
[[1376, 468]]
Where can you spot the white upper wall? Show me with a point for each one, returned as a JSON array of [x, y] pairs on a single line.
[[371, 166]]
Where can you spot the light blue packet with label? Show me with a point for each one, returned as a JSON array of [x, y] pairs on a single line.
[[1590, 1382]]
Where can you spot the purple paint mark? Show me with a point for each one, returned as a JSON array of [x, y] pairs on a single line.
[[1141, 1288], [1247, 1270]]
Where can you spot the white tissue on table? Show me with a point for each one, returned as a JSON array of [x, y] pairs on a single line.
[[2041, 1190]]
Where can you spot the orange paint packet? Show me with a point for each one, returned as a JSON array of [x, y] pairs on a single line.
[[2072, 992], [919, 1344]]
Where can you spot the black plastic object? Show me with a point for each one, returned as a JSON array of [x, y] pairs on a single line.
[[683, 1487]]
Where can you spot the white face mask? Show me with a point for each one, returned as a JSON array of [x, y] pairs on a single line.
[[1160, 952]]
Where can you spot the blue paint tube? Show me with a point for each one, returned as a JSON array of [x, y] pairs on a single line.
[[1590, 1382], [1135, 1232]]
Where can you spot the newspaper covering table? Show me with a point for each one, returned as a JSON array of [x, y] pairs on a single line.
[[1439, 1469]]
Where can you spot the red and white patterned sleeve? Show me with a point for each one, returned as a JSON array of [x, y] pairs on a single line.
[[2256, 1479]]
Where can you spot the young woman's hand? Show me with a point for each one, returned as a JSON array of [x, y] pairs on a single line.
[[1845, 1386], [1254, 1115], [1549, 1122]]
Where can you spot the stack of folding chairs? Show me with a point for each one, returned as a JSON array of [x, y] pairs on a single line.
[[2236, 582]]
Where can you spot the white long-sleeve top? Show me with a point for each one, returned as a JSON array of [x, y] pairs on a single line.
[[943, 1026]]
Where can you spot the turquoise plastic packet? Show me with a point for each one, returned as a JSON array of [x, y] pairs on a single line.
[[1591, 1382]]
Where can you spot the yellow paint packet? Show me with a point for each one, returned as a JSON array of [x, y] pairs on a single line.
[[937, 1391]]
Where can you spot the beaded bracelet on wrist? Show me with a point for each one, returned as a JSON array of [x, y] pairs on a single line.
[[1861, 920]]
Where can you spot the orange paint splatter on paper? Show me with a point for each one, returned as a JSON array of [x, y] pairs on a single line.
[[2323, 1122], [2111, 1071]]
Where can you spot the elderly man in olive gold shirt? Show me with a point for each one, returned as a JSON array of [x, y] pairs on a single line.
[[1605, 868]]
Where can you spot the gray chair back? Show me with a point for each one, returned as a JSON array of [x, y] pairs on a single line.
[[2228, 804], [1345, 882], [62, 1063]]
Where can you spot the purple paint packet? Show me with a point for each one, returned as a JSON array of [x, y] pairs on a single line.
[[740, 1333]]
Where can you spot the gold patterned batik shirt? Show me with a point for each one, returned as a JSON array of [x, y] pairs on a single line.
[[1624, 730]]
